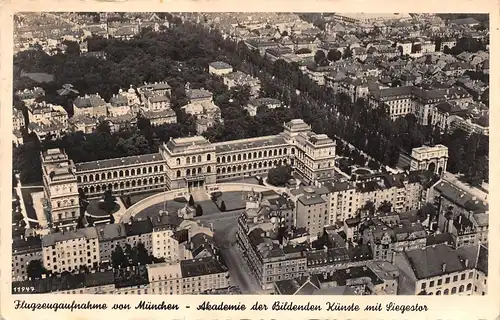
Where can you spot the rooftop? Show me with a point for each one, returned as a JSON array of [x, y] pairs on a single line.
[[201, 267], [118, 162], [53, 238], [434, 261]]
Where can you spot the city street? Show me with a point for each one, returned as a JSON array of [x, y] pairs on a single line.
[[241, 275]]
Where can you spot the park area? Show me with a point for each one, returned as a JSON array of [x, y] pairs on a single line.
[[230, 201]]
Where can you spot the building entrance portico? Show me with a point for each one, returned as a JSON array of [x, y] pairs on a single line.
[[196, 184]]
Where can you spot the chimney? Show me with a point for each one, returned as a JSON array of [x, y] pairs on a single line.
[[443, 267]]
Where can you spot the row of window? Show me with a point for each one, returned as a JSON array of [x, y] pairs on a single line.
[[254, 155], [119, 174], [124, 185]]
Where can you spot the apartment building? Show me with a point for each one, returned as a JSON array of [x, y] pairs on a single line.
[[165, 278], [90, 105], [110, 237], [71, 250], [202, 275], [219, 68], [140, 231], [441, 270], [60, 188], [25, 250], [164, 243]]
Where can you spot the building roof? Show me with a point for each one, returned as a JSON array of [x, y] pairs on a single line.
[[304, 285], [435, 260], [89, 101], [26, 244], [118, 162], [349, 276], [460, 197], [53, 238], [201, 267], [252, 143], [138, 227], [110, 232], [220, 65]]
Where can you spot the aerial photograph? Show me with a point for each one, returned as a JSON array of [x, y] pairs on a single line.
[[265, 153]]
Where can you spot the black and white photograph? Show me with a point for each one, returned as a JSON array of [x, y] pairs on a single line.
[[250, 153]]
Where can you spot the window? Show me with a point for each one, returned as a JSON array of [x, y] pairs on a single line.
[[447, 280], [440, 282], [462, 277], [431, 284], [455, 278]]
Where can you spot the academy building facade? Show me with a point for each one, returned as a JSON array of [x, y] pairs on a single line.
[[194, 162]]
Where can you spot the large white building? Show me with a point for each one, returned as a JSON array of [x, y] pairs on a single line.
[[195, 162]]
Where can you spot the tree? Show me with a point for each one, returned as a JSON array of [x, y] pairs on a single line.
[[222, 206], [320, 57], [143, 257], [369, 207], [279, 175], [427, 209], [385, 206], [35, 269], [118, 258], [199, 210], [108, 203], [334, 55], [191, 200]]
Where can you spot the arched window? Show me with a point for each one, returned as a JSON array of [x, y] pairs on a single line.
[[120, 173], [239, 168], [218, 170], [239, 157], [127, 173], [127, 184], [97, 189], [244, 167], [285, 151], [260, 165], [265, 164], [84, 178], [265, 153], [121, 185], [156, 180], [97, 176], [144, 170], [161, 167], [224, 159], [79, 179], [234, 157], [58, 204], [218, 159], [228, 169], [438, 293], [223, 170], [255, 155], [293, 150], [209, 157], [150, 169], [209, 169], [453, 290], [255, 165], [461, 288], [155, 168], [260, 154], [244, 156], [188, 172], [199, 170], [178, 161], [133, 183], [234, 168], [109, 175], [103, 176], [275, 152], [193, 159], [91, 178], [199, 158], [280, 152], [178, 173], [188, 160], [469, 286]]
